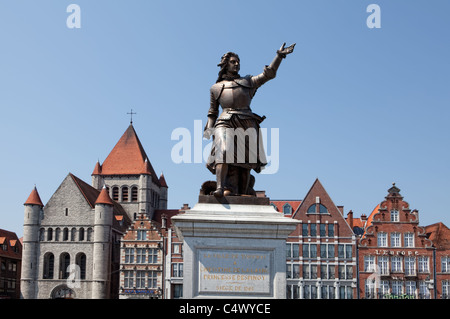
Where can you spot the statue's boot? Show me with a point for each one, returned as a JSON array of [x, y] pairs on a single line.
[[221, 173]]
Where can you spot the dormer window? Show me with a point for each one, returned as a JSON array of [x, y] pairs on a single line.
[[287, 209]]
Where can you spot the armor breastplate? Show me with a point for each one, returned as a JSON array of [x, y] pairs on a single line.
[[235, 96]]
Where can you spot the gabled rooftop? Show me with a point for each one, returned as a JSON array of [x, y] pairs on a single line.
[[94, 196], [439, 234]]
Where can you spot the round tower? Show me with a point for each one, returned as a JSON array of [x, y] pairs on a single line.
[[145, 185], [33, 208], [102, 245], [97, 178], [163, 192]]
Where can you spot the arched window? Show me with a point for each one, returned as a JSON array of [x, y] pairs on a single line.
[[81, 262], [64, 263], [49, 266], [317, 209], [323, 209], [115, 193], [50, 234], [57, 233], [81, 234], [65, 234], [287, 209], [73, 233], [134, 194], [89, 234], [124, 194], [41, 234]]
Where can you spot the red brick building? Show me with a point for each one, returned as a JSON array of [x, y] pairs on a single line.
[[10, 265], [142, 260], [151, 259], [395, 254], [321, 259], [439, 234]]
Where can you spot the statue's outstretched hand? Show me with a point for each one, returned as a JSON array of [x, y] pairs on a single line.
[[283, 51]]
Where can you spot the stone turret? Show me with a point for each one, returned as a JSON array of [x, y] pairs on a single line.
[[102, 245], [163, 192], [33, 209]]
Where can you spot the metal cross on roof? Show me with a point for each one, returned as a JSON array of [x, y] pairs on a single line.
[[131, 114]]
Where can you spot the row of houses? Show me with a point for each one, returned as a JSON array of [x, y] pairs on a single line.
[[114, 238], [384, 255]]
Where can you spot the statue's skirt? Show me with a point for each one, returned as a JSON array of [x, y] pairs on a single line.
[[238, 142]]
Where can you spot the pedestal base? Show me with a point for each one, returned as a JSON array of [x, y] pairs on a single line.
[[234, 250]]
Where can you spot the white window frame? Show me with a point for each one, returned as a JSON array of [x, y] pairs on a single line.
[[382, 239], [424, 264], [128, 279], [396, 239], [409, 239], [383, 265], [129, 255], [140, 279], [396, 264], [152, 279], [140, 255], [445, 264], [397, 287], [395, 215], [369, 263], [410, 265]]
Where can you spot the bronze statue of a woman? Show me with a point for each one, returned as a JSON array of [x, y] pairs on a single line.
[[237, 146]]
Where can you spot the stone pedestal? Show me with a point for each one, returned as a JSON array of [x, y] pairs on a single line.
[[235, 248]]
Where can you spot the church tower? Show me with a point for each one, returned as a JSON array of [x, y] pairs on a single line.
[[33, 209], [130, 178]]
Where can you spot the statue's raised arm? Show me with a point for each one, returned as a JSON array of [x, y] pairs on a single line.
[[270, 71]]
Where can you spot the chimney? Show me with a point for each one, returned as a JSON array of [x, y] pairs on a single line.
[[363, 217], [185, 207], [350, 218]]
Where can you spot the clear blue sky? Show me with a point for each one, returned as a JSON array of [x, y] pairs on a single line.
[[358, 108]]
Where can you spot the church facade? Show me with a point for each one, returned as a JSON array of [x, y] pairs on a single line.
[[71, 245]]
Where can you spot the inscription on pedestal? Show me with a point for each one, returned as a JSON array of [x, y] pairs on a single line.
[[234, 271]]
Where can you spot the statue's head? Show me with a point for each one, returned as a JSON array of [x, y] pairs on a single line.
[[229, 63]]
